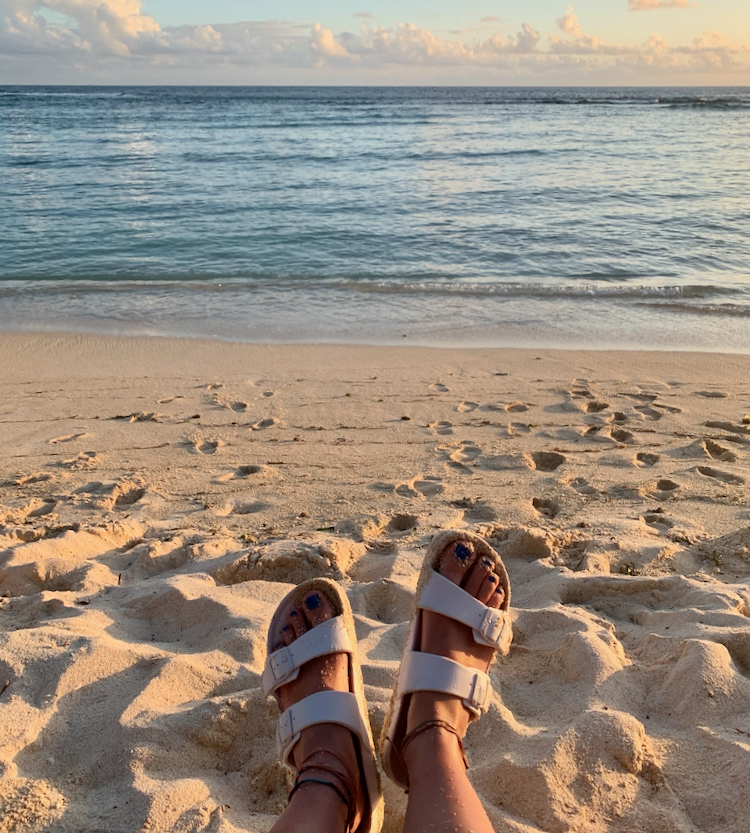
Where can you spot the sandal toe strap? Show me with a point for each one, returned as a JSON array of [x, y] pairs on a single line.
[[282, 666], [431, 672], [490, 627]]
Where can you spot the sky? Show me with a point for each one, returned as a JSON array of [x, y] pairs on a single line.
[[376, 42]]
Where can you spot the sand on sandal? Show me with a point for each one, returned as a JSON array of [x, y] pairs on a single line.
[[159, 497]]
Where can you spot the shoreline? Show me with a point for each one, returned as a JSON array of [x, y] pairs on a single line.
[[158, 496]]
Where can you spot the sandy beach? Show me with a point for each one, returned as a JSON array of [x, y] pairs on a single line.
[[159, 497]]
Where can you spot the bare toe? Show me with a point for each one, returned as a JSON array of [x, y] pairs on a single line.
[[457, 561], [317, 608], [297, 622], [490, 593]]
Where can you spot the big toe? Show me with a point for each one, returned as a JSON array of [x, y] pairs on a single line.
[[474, 572]]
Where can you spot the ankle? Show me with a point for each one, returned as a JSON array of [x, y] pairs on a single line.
[[427, 706], [432, 750]]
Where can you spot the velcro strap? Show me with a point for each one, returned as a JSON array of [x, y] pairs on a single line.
[[491, 627], [430, 672], [338, 707], [282, 666]]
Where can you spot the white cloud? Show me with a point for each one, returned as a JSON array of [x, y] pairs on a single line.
[[568, 23], [107, 39], [648, 5]]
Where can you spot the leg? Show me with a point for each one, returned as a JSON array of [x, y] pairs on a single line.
[[441, 797], [319, 807]]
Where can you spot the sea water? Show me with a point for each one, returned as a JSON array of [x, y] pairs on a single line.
[[593, 218]]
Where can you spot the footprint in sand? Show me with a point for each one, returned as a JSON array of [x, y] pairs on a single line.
[[466, 407], [581, 485], [620, 435], [418, 487], [596, 407], [545, 507], [711, 394], [460, 456], [127, 494], [240, 473], [67, 438], [516, 408], [645, 458], [252, 508], [85, 460], [443, 428], [168, 399], [475, 510], [723, 476], [547, 460], [264, 423], [728, 426], [27, 479], [665, 486], [439, 387], [201, 446], [403, 523], [648, 412], [619, 417], [718, 452], [238, 407], [658, 521]]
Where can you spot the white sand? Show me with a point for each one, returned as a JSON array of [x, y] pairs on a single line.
[[157, 497]]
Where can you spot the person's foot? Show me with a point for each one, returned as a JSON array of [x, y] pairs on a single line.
[[327, 744], [454, 640]]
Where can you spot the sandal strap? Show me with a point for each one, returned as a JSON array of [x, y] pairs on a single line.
[[345, 787], [431, 672], [490, 626], [346, 797], [433, 724], [282, 666], [339, 707]]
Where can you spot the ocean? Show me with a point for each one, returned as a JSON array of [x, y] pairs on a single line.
[[545, 217]]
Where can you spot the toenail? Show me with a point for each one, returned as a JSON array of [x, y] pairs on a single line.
[[486, 563], [313, 602], [293, 614], [278, 646], [462, 552], [286, 629], [493, 579]]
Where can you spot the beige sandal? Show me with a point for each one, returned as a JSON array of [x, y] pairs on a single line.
[[421, 671], [345, 708]]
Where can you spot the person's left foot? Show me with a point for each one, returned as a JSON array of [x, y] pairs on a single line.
[[328, 744]]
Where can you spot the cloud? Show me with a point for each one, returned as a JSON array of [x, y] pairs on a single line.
[[568, 23], [115, 40], [648, 5]]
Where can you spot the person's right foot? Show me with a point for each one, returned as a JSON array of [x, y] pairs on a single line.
[[446, 637]]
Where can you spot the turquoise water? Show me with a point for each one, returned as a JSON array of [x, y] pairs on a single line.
[[551, 217]]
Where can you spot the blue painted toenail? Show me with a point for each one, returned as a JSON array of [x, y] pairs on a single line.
[[462, 552], [293, 614], [286, 629], [313, 602], [278, 646], [493, 579], [486, 563]]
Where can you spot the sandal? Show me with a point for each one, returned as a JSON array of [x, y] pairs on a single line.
[[421, 671], [345, 708]]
